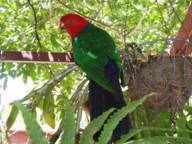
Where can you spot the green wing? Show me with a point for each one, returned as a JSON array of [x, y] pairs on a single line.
[[92, 48]]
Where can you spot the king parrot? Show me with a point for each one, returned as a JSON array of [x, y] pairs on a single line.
[[96, 54]]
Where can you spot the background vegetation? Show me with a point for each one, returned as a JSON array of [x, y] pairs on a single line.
[[33, 25]]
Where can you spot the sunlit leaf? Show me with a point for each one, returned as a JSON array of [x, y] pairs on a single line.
[[48, 110], [33, 128], [12, 117]]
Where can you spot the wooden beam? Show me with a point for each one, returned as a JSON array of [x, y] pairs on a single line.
[[182, 44], [35, 57]]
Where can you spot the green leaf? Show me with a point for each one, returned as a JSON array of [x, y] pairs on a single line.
[[125, 137], [40, 103], [162, 140], [54, 41], [48, 110], [12, 117], [162, 119], [33, 128], [68, 137], [189, 124], [94, 126], [134, 132], [34, 113], [116, 117], [181, 125]]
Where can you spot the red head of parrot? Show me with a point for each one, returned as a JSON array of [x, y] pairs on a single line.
[[73, 23]]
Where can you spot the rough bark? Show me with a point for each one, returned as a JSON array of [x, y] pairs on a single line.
[[169, 77]]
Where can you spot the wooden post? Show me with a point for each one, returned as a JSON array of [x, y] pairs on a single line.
[[183, 43]]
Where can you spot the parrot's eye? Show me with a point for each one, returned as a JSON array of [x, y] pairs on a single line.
[[70, 21]]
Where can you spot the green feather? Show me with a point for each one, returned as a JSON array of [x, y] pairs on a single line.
[[92, 48]]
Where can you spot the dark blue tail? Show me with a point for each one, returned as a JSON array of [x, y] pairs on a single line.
[[101, 100]]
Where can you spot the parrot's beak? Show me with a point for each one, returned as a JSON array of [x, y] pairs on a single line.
[[62, 26]]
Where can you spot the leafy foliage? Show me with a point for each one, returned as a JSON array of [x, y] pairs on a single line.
[[12, 117], [147, 23], [93, 127], [68, 135], [69, 126], [114, 120], [162, 140], [131, 134], [33, 25], [32, 126], [48, 110]]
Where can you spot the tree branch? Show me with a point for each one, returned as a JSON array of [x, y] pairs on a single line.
[[134, 30], [50, 83], [35, 27]]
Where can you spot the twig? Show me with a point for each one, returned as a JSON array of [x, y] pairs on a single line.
[[125, 26], [56, 135], [77, 91], [52, 82], [176, 14], [164, 39], [133, 31], [79, 112], [162, 17], [35, 27]]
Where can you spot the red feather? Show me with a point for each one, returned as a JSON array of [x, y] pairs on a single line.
[[73, 23]]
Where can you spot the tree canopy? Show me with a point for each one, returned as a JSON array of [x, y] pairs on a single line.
[[33, 25]]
